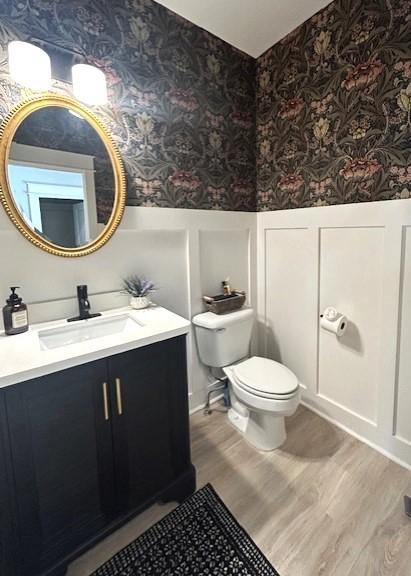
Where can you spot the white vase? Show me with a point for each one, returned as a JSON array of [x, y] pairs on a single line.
[[140, 302]]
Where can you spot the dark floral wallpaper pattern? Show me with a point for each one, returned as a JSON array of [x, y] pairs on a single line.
[[333, 102], [334, 106], [182, 102]]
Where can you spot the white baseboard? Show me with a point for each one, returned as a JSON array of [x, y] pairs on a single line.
[[356, 435]]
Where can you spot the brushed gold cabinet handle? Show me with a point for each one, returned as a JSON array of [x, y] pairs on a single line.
[[105, 399], [119, 397]]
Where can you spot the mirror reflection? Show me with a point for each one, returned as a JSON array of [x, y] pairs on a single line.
[[61, 177]]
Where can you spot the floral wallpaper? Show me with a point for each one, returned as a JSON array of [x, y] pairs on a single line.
[[334, 108], [182, 102], [323, 117]]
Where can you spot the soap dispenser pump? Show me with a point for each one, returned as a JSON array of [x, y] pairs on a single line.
[[15, 314]]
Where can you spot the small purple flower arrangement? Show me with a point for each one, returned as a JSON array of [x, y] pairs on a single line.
[[139, 289]]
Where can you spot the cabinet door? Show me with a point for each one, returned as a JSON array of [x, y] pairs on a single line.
[[7, 541], [61, 448], [141, 423]]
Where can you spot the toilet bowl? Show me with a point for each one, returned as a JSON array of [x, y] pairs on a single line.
[[263, 392]]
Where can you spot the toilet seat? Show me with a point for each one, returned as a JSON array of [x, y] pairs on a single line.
[[265, 378]]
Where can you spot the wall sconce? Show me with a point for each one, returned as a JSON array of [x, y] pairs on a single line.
[[89, 84], [30, 66]]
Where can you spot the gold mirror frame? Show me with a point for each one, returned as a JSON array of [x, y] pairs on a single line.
[[7, 131]]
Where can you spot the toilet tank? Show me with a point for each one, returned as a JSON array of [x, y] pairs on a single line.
[[223, 339]]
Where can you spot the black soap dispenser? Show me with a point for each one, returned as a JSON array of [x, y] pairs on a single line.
[[15, 314]]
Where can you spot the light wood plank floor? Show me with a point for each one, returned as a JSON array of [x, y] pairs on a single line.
[[323, 505]]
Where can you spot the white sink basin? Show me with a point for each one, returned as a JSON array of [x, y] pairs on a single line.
[[84, 330]]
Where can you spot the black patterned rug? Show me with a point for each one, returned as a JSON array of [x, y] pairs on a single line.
[[199, 538]]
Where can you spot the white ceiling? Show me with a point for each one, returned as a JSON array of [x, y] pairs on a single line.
[[251, 25]]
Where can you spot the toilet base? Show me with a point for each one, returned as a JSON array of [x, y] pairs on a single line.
[[261, 429], [239, 421]]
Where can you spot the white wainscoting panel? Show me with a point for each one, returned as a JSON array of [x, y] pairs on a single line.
[[224, 254], [297, 258], [355, 257], [403, 400], [160, 243], [351, 280], [291, 300], [44, 277], [200, 227]]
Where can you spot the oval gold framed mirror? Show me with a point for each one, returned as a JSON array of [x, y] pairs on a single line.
[[62, 180]]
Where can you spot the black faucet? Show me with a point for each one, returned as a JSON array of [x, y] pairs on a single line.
[[83, 305]]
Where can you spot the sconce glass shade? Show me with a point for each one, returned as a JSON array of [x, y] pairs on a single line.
[[29, 65], [89, 84]]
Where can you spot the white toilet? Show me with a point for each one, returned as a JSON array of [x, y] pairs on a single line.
[[262, 391]]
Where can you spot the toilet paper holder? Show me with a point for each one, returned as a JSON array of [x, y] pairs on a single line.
[[333, 321]]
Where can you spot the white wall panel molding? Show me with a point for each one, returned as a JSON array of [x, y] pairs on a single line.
[[284, 253], [358, 258], [351, 272], [168, 245], [402, 420], [216, 241], [290, 300]]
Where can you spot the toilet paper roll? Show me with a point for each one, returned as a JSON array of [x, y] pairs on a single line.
[[337, 326]]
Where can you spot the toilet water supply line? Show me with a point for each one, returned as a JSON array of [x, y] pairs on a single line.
[[220, 386]]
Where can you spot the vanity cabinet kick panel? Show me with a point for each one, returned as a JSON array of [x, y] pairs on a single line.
[[93, 445]]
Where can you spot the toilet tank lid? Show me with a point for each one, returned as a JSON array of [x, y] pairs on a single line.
[[213, 321]]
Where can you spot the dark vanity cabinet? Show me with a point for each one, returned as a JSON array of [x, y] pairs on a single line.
[[93, 445]]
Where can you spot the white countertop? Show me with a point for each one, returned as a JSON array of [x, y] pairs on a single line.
[[22, 357]]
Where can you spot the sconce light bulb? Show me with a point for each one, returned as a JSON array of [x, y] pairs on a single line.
[[89, 84], [29, 65]]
